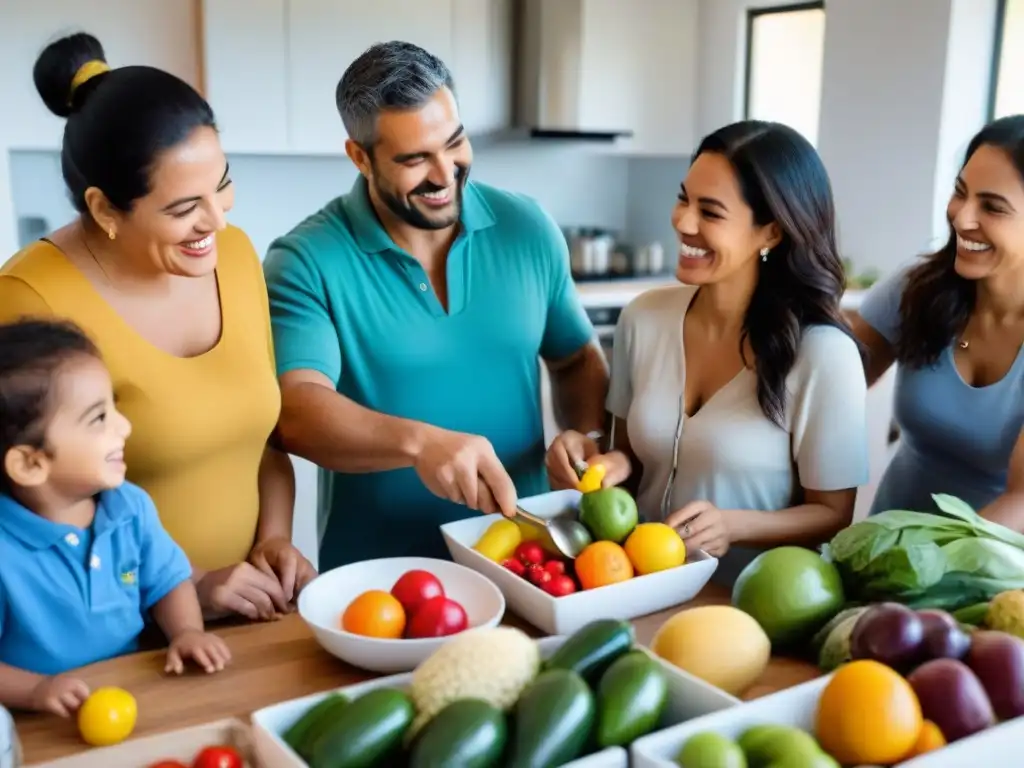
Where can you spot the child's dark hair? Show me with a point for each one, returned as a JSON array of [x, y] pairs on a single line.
[[31, 352]]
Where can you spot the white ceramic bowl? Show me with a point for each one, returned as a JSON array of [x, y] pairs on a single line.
[[323, 601], [630, 599]]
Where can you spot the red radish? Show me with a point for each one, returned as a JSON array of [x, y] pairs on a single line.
[[560, 586], [531, 553], [537, 575], [555, 567], [514, 565]]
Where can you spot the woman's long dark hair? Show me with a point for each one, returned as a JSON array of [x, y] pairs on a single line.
[[937, 302], [801, 283]]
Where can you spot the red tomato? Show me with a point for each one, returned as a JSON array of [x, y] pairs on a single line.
[[538, 575], [218, 757], [516, 566], [414, 588], [554, 567], [437, 617], [560, 586], [530, 552]]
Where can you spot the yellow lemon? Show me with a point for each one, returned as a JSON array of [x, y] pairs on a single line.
[[107, 717], [500, 540], [592, 479], [655, 547]]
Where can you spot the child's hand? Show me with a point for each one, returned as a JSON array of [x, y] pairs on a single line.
[[62, 695], [207, 650]]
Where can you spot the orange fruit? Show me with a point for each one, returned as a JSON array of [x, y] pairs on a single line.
[[655, 547], [868, 714], [929, 739], [375, 613], [602, 563]]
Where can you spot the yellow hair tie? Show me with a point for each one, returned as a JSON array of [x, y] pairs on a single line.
[[85, 73]]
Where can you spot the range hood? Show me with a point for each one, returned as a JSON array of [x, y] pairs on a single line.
[[551, 55]]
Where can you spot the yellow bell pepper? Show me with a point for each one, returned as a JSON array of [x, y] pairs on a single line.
[[592, 479], [500, 540]]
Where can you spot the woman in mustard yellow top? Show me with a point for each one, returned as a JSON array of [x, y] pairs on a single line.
[[176, 302]]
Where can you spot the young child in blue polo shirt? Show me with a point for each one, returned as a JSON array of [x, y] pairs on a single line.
[[83, 557]]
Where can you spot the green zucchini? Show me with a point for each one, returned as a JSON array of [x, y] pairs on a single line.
[[468, 733], [366, 732], [552, 721], [303, 734], [591, 649], [631, 699]]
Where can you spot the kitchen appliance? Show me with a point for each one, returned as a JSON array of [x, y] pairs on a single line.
[[552, 40]]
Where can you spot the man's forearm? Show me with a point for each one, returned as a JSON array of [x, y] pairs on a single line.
[[338, 434], [1007, 510], [579, 388], [17, 687]]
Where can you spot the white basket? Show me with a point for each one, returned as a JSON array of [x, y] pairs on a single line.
[[688, 697], [630, 599], [796, 707]]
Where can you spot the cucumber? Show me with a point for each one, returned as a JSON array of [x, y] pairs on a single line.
[[366, 732], [295, 736], [552, 721], [303, 745], [591, 649], [631, 699], [468, 733]]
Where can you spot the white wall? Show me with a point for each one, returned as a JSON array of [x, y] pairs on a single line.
[[158, 32]]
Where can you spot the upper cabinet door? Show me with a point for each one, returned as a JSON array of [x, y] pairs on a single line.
[[245, 62], [325, 36]]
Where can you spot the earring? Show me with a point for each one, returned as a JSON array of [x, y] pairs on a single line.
[[110, 233], [764, 254]]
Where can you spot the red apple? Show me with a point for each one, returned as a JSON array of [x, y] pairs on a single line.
[[414, 588], [437, 617]]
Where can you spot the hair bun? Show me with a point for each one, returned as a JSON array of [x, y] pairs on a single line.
[[55, 70]]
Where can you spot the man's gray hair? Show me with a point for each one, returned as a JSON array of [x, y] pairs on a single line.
[[392, 75]]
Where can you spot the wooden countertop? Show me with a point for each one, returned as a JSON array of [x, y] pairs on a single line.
[[272, 663]]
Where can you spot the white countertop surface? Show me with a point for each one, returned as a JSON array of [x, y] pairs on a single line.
[[618, 293]]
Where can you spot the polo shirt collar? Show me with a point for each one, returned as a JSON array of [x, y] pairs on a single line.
[[373, 238], [36, 532]]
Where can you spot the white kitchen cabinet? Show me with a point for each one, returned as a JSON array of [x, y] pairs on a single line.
[[640, 73], [481, 63], [325, 36], [245, 68]]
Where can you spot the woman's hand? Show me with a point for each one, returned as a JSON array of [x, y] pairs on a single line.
[[242, 589], [702, 525], [278, 557]]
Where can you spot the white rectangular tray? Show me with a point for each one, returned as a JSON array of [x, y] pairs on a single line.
[[630, 599], [688, 697], [183, 745], [796, 706]]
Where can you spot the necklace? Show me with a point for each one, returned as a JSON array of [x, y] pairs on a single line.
[[92, 253]]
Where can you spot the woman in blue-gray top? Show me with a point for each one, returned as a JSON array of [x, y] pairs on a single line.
[[954, 323]]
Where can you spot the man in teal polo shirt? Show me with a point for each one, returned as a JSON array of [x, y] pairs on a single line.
[[410, 316]]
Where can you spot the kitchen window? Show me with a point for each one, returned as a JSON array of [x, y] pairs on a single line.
[[1008, 62], [785, 51]]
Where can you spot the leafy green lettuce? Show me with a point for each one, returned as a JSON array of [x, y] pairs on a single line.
[[948, 559]]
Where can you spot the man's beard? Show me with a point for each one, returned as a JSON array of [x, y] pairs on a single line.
[[404, 209]]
